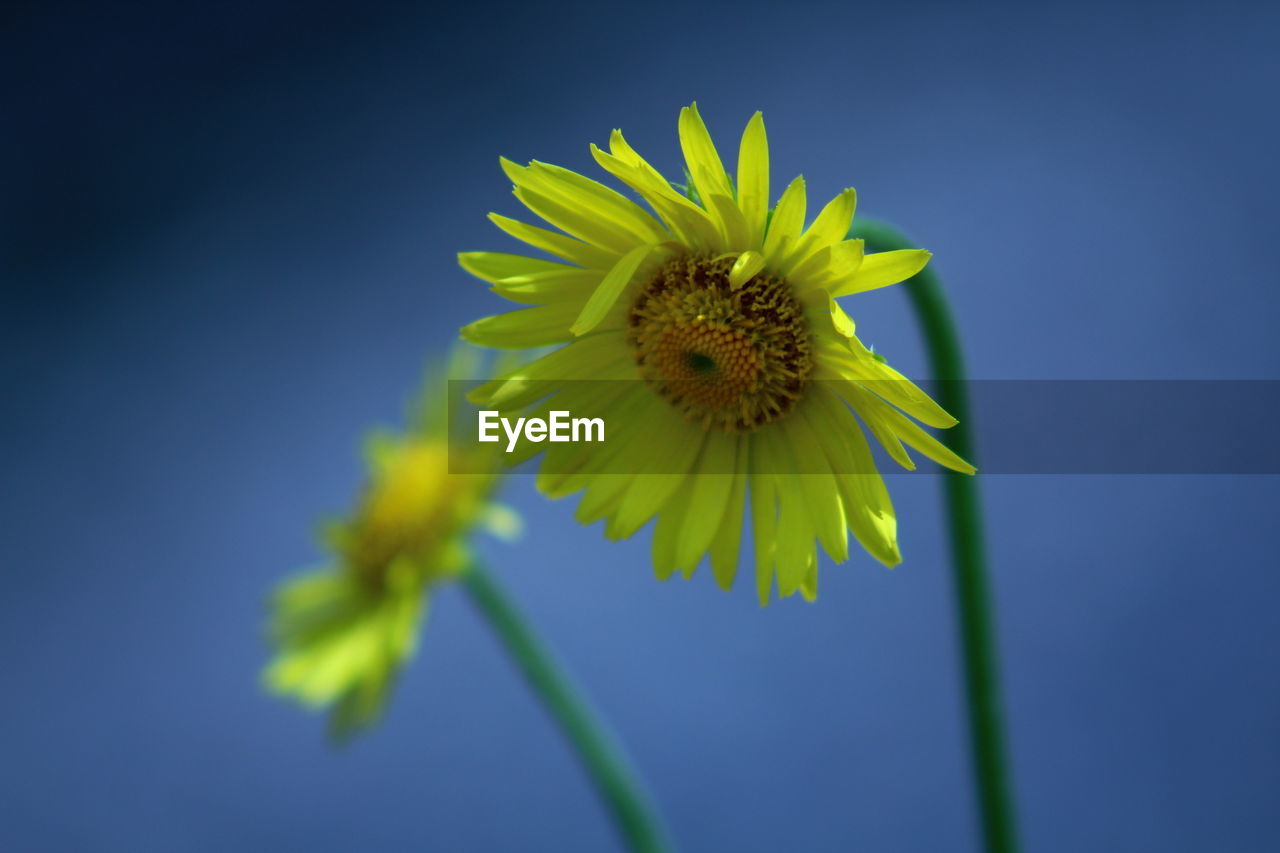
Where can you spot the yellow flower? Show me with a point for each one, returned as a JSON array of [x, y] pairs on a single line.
[[343, 632], [748, 372]]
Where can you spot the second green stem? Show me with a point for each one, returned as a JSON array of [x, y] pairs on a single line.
[[606, 764]]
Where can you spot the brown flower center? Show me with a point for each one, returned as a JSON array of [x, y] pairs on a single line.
[[731, 358]]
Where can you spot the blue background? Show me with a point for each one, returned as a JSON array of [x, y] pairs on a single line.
[[228, 250]]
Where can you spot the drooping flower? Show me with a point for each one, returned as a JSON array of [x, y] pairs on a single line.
[[343, 632], [745, 372]]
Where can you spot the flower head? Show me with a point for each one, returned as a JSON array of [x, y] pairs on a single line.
[[746, 371], [343, 632]]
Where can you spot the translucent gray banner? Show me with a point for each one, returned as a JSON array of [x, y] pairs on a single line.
[[1020, 427]]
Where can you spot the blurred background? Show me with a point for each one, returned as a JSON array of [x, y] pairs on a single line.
[[228, 249]]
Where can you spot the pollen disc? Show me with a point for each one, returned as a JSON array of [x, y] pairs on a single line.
[[730, 358]]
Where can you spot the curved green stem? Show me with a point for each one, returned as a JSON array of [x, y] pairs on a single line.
[[615, 779], [968, 550]]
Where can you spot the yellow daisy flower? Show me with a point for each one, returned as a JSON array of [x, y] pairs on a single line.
[[343, 632], [748, 372]]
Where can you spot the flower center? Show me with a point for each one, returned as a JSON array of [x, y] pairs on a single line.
[[409, 510], [732, 358]]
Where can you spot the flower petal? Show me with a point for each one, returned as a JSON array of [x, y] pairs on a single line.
[[666, 533], [733, 227], [744, 268], [851, 361], [809, 586], [795, 539], [912, 434], [589, 358], [528, 327], [580, 224], [691, 224], [764, 521], [829, 228], [579, 191], [575, 251], [786, 223], [795, 533], [840, 321], [573, 283], [822, 496], [753, 178], [711, 489], [491, 266], [610, 288], [700, 154], [883, 269], [827, 267], [724, 548], [871, 409], [868, 508], [678, 448]]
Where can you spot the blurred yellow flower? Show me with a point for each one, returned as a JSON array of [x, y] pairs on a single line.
[[746, 372], [343, 632]]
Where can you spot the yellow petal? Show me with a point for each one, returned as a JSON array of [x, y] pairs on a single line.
[[700, 154], [602, 494], [884, 268], [795, 539], [833, 222], [826, 268], [809, 587], [744, 268], [604, 491], [829, 228], [753, 178], [854, 362], [795, 533], [491, 266], [609, 290], [787, 221], [912, 434], [724, 548], [822, 496], [711, 489], [600, 199], [576, 251], [867, 506], [580, 224], [586, 358], [733, 227], [690, 223], [841, 321], [764, 522], [665, 534], [872, 410], [528, 327], [570, 467], [651, 492], [547, 289]]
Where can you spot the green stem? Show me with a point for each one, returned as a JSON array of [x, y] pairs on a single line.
[[968, 550], [615, 779]]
